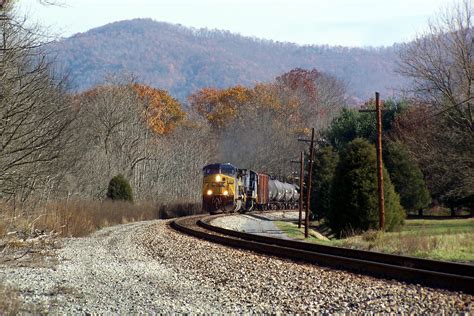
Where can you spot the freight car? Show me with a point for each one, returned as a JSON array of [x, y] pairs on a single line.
[[229, 189]]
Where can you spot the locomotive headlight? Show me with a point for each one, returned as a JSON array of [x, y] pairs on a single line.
[[218, 178], [226, 193], [209, 192]]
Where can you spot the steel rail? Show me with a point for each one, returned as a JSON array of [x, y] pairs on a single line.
[[453, 276]]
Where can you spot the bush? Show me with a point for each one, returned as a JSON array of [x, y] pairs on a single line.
[[119, 189], [354, 193]]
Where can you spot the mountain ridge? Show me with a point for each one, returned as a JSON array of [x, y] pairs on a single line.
[[183, 60]]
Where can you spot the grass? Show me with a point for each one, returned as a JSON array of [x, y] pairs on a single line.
[[448, 240], [439, 211], [80, 218], [292, 231], [438, 227]]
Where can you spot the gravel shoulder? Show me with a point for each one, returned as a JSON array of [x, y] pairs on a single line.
[[146, 267], [258, 224]]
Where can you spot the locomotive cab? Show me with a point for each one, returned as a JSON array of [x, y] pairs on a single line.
[[221, 188]]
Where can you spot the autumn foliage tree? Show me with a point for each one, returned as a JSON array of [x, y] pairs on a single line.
[[303, 98], [256, 127], [219, 106], [310, 98], [161, 110]]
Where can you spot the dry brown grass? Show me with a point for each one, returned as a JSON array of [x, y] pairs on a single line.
[[80, 218]]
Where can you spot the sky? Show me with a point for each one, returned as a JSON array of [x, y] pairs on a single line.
[[352, 23]]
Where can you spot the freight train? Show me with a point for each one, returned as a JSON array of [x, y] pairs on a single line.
[[228, 189]]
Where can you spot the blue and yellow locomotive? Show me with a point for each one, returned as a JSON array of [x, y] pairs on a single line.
[[229, 189]]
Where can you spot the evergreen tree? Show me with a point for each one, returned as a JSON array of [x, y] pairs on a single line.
[[351, 124], [324, 167], [406, 176], [354, 196], [119, 189]]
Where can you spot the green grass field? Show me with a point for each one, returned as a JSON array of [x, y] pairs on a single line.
[[450, 239]]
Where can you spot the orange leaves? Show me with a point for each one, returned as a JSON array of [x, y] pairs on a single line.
[[265, 95], [299, 97], [300, 80], [161, 111], [219, 106]]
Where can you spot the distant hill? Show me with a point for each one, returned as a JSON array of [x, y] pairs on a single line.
[[182, 60]]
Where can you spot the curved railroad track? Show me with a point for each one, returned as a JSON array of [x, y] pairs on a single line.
[[454, 276]]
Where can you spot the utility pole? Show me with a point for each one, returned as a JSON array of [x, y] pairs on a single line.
[[300, 208], [310, 175], [378, 111], [301, 188]]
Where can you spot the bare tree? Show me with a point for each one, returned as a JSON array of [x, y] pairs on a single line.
[[34, 112], [440, 132], [113, 136], [440, 62]]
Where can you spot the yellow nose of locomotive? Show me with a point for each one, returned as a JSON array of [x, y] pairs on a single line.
[[219, 187], [216, 185]]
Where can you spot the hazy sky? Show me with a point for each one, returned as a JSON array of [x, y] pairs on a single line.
[[334, 22]]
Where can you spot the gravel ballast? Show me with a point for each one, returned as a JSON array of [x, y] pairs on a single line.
[[261, 224], [147, 267]]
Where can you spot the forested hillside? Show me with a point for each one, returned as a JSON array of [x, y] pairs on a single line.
[[182, 60]]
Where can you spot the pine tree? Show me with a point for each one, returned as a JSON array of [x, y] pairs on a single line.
[[406, 176], [119, 189], [324, 168], [354, 197]]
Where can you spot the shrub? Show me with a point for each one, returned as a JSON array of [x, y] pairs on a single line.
[[354, 197], [119, 189]]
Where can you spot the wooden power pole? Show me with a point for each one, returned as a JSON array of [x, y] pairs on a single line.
[[378, 108], [310, 175], [300, 208], [301, 188], [308, 186], [378, 111]]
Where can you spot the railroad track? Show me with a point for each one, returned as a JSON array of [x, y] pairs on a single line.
[[453, 276]]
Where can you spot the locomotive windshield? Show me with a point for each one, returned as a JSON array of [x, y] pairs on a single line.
[[227, 169]]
